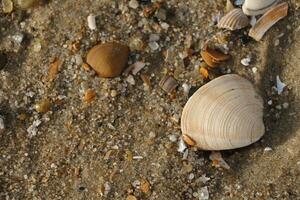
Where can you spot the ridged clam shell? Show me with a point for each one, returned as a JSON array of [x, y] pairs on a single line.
[[257, 7], [226, 113], [234, 20], [268, 20]]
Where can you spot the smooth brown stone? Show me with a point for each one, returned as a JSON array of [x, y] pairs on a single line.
[[109, 59]]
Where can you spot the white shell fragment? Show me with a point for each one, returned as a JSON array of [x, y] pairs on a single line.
[[268, 20], [234, 20], [258, 7], [92, 22], [226, 113], [279, 85], [168, 84]]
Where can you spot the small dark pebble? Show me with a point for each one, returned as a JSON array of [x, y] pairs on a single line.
[[192, 91], [81, 188], [3, 60]]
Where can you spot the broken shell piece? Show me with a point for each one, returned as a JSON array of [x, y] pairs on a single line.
[[89, 96], [188, 140], [181, 146], [234, 20], [218, 161], [138, 66], [268, 20], [212, 57], [279, 85], [168, 84], [225, 113], [229, 6], [258, 7], [43, 106]]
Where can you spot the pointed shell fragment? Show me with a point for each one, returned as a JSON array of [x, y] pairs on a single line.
[[212, 57], [234, 20], [226, 113], [258, 7], [268, 20]]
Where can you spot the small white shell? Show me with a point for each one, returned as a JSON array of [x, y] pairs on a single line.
[[234, 20], [226, 113], [268, 20], [92, 22], [257, 7]]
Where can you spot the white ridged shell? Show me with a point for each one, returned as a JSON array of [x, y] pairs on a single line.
[[268, 20], [234, 20], [226, 113], [257, 7]]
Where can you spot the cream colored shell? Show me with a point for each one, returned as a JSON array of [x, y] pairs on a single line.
[[226, 113], [257, 7], [234, 20]]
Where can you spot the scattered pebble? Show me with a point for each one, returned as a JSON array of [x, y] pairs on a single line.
[[267, 149], [204, 179], [270, 102], [133, 4], [18, 38], [33, 129], [138, 66], [285, 105], [191, 176], [173, 138], [253, 21], [181, 146], [278, 107], [186, 88], [279, 85], [153, 37], [203, 193], [7, 6], [130, 80], [246, 61], [153, 46], [92, 22], [113, 93], [254, 70], [2, 125]]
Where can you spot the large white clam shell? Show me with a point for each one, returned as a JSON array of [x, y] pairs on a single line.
[[226, 113], [257, 7]]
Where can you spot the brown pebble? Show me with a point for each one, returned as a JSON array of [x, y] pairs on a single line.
[[131, 197], [43, 106], [54, 69], [109, 59], [145, 186]]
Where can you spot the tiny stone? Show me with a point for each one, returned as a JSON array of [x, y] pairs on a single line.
[[113, 93], [186, 88], [191, 176], [203, 193], [278, 107], [285, 105], [136, 183], [254, 70], [270, 102], [18, 38], [92, 22], [268, 149], [152, 135], [133, 4], [153, 45], [161, 14], [246, 61], [173, 138], [7, 6], [130, 80], [2, 125], [164, 25], [37, 46], [154, 37], [276, 43]]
